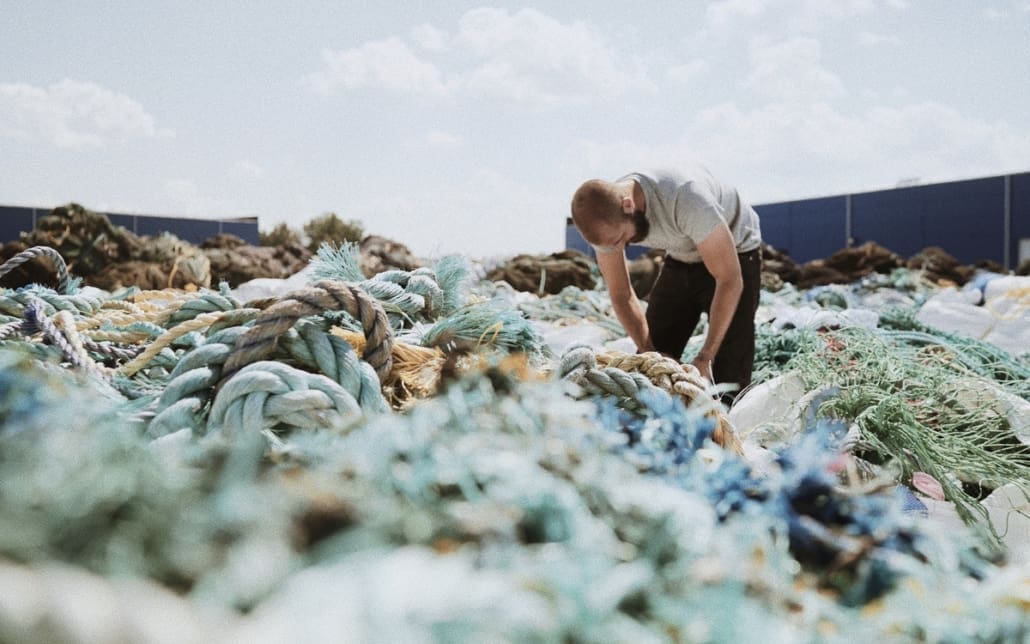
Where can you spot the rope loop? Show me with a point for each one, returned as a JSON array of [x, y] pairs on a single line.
[[64, 282]]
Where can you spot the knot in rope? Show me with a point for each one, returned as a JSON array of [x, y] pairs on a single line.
[[271, 395], [259, 342]]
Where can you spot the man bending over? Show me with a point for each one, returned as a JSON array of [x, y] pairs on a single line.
[[712, 264]]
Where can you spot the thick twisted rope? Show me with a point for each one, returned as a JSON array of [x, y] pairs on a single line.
[[14, 303], [197, 323], [60, 331], [580, 366], [181, 404], [666, 373], [271, 395], [336, 359], [29, 254], [617, 373], [260, 341]]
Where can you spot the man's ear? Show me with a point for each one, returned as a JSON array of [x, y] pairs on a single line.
[[627, 205]]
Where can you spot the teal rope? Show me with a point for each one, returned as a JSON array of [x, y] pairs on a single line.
[[335, 358], [271, 395], [191, 382]]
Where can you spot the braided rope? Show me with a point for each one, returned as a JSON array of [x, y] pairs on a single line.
[[271, 395], [209, 302], [665, 372], [14, 303], [29, 254], [190, 384], [111, 349], [617, 373], [60, 331], [259, 342], [336, 359], [9, 329], [199, 322]]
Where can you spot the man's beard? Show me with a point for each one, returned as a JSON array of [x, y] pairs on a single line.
[[641, 225]]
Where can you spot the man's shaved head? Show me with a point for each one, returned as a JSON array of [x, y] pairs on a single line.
[[596, 206]]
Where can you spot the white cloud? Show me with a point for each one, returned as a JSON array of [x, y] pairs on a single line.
[[687, 72], [870, 39], [183, 197], [526, 57], [530, 57], [791, 70], [72, 114], [247, 169], [388, 64], [429, 37], [442, 139], [787, 151], [722, 14], [502, 213]]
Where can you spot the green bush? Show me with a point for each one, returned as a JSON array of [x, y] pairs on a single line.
[[330, 228], [281, 235]]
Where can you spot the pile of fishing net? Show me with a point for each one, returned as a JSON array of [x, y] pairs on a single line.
[[849, 265], [112, 257], [407, 457]]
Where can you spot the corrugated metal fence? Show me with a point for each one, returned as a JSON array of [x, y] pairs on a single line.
[[974, 219], [16, 219]]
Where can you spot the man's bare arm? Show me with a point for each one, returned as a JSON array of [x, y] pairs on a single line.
[[624, 300], [720, 258]]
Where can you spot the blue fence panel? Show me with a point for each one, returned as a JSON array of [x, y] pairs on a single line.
[[125, 221], [818, 227], [13, 222], [776, 226], [1019, 219], [962, 217], [245, 230], [805, 229], [965, 218], [194, 231], [891, 218]]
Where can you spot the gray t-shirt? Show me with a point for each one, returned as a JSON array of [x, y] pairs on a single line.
[[684, 207]]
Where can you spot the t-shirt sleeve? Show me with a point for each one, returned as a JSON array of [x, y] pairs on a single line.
[[697, 212]]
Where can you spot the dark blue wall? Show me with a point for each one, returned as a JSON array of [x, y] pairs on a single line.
[[15, 220], [965, 218], [806, 229], [1019, 218]]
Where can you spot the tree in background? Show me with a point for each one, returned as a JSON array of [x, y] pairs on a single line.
[[330, 228], [281, 235]]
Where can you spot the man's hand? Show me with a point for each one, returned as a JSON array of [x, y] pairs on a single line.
[[704, 365]]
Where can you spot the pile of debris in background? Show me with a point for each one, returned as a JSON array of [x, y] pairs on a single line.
[[379, 448], [111, 257]]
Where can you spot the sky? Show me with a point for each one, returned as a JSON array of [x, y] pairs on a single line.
[[460, 127]]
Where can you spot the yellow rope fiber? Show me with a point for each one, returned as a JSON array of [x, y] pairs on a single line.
[[200, 322]]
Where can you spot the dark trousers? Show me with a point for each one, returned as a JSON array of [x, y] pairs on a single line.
[[683, 292]]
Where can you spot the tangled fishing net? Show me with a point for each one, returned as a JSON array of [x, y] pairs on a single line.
[[405, 458]]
